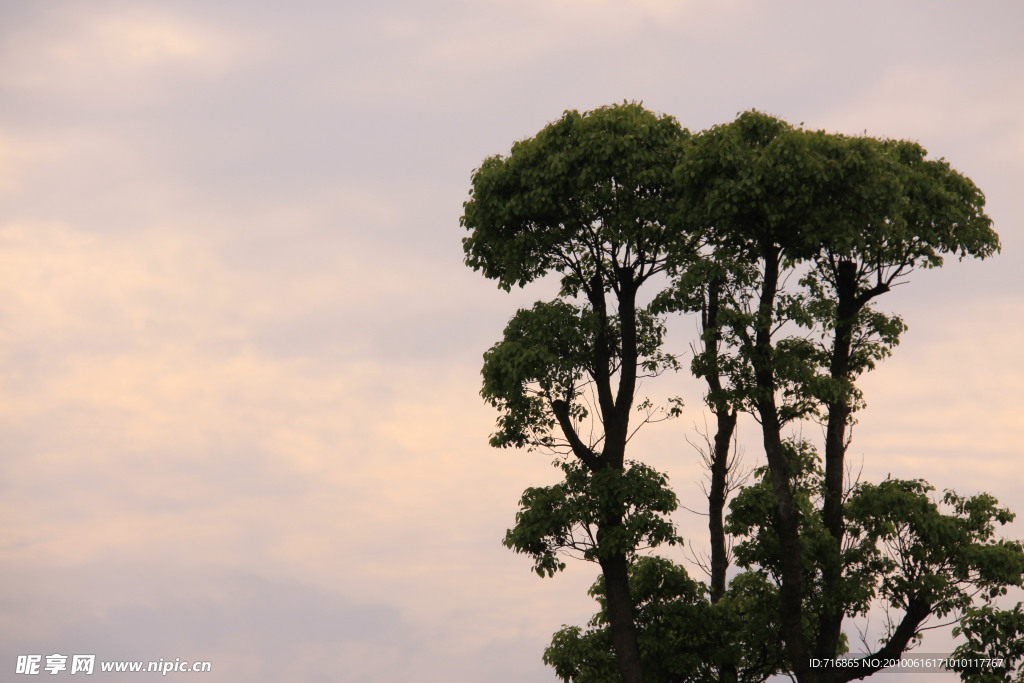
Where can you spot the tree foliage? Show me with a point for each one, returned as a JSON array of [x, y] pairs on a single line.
[[995, 635], [587, 194], [783, 241], [567, 517], [684, 636], [587, 199]]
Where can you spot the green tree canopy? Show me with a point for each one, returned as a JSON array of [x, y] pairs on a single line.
[[784, 241]]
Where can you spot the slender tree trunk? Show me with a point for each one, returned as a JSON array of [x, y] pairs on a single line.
[[725, 427], [716, 517], [787, 526], [621, 617], [615, 408], [839, 408], [787, 521], [848, 306], [716, 501]]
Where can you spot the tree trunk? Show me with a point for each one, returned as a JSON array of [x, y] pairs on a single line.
[[787, 522], [726, 425], [615, 408], [787, 526], [716, 502], [621, 617], [840, 407]]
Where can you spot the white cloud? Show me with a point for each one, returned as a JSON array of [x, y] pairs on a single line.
[[92, 53], [946, 406], [132, 386], [932, 103]]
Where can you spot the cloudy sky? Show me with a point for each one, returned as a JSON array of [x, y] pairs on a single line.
[[239, 351]]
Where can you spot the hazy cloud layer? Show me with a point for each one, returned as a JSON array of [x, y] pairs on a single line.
[[239, 351]]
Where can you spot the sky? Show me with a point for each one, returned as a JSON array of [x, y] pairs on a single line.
[[240, 351]]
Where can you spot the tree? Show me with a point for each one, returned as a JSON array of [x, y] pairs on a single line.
[[586, 199], [782, 240], [685, 637], [848, 218], [915, 555], [995, 637]]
